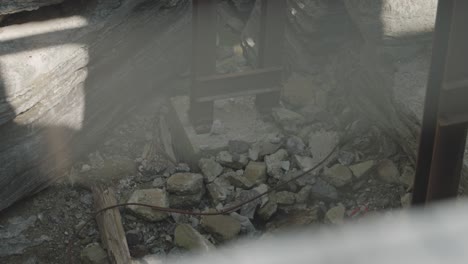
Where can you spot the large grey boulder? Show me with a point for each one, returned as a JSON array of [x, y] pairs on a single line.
[[67, 81]]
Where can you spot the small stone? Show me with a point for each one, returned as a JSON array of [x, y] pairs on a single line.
[[239, 181], [304, 162], [265, 147], [295, 145], [303, 195], [219, 190], [246, 225], [156, 197], [321, 143], [262, 188], [322, 190], [345, 158], [361, 169], [289, 120], [247, 209], [253, 154], [308, 179], [222, 227], [187, 237], [295, 218], [407, 177], [93, 254], [338, 175], [256, 172], [387, 171], [285, 198], [158, 182], [268, 210], [185, 183], [232, 161], [274, 163], [238, 146], [335, 215], [406, 200], [285, 165], [210, 169]]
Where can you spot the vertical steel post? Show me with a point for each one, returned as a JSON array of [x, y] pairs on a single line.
[[431, 104], [447, 162], [203, 58], [271, 48]]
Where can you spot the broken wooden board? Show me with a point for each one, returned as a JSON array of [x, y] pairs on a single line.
[[110, 226]]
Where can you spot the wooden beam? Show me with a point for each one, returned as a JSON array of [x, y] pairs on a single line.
[[110, 226]]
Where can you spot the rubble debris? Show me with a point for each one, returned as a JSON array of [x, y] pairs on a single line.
[[407, 177], [338, 175], [274, 163], [268, 210], [387, 171], [304, 162], [285, 198], [93, 254], [256, 172], [289, 120], [238, 146], [210, 169], [222, 227], [303, 195], [335, 215], [156, 197], [235, 161], [239, 181], [185, 236], [185, 183], [220, 190], [406, 200], [361, 169], [295, 145], [321, 190]]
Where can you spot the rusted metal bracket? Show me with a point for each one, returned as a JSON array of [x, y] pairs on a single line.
[[444, 127], [207, 86]]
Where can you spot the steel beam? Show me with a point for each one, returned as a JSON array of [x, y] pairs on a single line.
[[215, 87]]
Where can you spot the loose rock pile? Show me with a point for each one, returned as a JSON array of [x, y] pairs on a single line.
[[357, 179]]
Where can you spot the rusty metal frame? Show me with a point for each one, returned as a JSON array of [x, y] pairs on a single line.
[[444, 127], [207, 86]]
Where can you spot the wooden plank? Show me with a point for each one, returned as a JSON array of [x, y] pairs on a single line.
[[110, 226]]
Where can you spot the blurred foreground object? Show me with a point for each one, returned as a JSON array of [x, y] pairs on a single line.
[[432, 235], [443, 135]]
